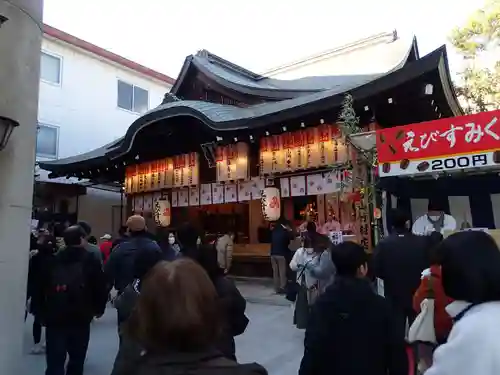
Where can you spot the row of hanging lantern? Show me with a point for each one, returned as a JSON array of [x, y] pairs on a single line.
[[270, 201]]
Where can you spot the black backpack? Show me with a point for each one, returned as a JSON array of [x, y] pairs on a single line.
[[68, 297]]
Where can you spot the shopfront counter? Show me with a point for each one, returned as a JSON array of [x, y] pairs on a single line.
[[251, 260]]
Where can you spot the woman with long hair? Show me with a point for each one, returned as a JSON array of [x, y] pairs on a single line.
[[470, 267], [178, 322]]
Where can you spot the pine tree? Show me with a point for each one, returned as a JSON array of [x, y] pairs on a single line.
[[478, 41]]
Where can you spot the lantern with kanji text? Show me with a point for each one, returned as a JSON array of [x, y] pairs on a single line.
[[271, 203], [162, 212]]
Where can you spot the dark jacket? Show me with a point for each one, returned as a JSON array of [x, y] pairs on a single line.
[[169, 254], [280, 240], [118, 241], [232, 303], [95, 251], [350, 332], [399, 260], [206, 363], [126, 301], [119, 268], [94, 292], [39, 271], [233, 306]]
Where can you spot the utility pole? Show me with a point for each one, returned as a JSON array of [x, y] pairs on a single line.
[[20, 46]]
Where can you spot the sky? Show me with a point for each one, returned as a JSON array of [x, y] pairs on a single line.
[[258, 34]]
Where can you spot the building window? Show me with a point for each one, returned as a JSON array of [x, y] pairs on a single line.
[[47, 141], [132, 98], [50, 68]]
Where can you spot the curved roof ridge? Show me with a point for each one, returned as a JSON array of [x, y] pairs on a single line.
[[272, 88], [212, 57], [383, 37]]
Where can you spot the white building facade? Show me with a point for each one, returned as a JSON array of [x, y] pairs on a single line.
[[89, 97]]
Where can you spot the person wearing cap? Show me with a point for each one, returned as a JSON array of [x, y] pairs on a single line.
[[91, 248], [106, 246], [119, 267], [435, 220]]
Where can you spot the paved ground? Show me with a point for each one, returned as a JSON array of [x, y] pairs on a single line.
[[270, 338]]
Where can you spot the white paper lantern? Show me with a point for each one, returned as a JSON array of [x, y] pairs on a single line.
[[162, 212], [271, 203]]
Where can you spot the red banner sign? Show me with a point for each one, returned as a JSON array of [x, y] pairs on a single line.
[[446, 137]]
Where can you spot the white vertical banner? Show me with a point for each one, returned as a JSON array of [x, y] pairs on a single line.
[[285, 187], [230, 193], [183, 198], [298, 186], [217, 193], [206, 194], [194, 196], [244, 191], [258, 185], [175, 199]]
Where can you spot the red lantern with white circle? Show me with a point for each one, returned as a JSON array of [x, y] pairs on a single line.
[[271, 204], [162, 212]]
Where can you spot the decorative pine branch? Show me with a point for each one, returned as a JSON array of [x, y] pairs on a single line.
[[348, 121]]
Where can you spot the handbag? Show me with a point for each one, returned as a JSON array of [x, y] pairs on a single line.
[[292, 287], [422, 329]]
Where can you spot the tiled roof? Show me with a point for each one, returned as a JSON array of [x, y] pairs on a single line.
[[347, 66], [220, 117]]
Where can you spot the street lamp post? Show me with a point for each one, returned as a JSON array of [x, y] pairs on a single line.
[[7, 126]]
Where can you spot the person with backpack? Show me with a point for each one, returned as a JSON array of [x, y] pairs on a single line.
[[126, 302], [75, 293], [119, 268]]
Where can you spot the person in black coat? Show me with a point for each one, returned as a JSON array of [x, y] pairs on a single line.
[[189, 239], [399, 260], [280, 254], [351, 329], [75, 293], [39, 268], [232, 303]]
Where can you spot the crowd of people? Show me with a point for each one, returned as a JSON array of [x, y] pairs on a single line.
[[353, 328], [178, 312]]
